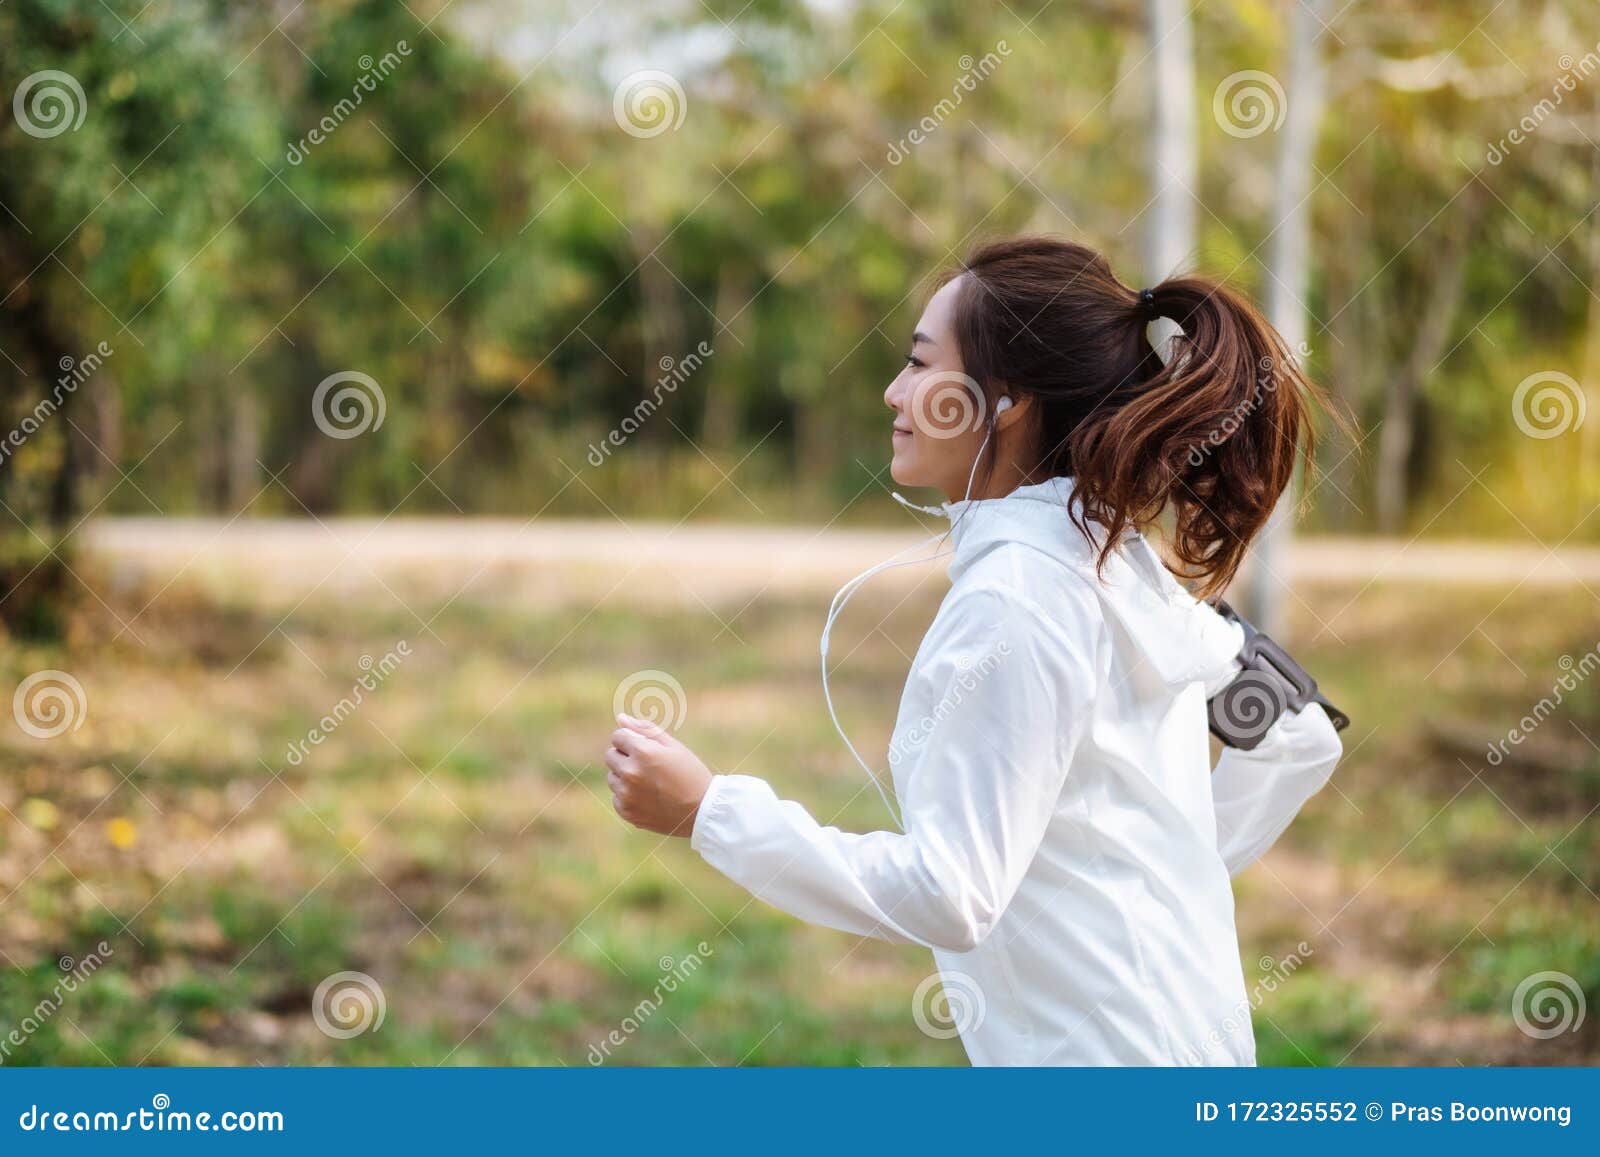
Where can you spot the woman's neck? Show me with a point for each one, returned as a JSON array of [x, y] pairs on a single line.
[[1000, 477]]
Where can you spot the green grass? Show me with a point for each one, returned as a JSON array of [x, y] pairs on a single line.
[[453, 839]]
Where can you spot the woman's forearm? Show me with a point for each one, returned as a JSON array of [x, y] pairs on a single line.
[[878, 884], [1257, 793]]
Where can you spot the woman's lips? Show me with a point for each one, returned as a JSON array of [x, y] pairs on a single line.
[[899, 433]]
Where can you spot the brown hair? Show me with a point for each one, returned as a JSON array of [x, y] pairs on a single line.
[[1212, 433]]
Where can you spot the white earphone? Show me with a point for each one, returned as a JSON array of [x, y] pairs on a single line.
[[1002, 405]]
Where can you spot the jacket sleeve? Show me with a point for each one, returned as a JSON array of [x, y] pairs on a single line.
[[1257, 793], [981, 775]]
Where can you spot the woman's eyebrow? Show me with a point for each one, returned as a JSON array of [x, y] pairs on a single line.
[[919, 337]]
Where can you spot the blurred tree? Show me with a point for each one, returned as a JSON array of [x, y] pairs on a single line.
[[1174, 141], [113, 181], [1289, 279], [260, 196]]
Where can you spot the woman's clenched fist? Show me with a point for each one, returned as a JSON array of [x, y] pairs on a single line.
[[656, 782]]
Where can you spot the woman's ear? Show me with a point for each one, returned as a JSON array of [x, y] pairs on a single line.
[[1009, 409]]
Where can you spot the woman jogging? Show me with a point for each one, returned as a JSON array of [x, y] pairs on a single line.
[[1066, 845]]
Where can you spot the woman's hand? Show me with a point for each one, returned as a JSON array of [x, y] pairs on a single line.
[[656, 782]]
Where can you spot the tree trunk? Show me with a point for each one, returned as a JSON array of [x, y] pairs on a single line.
[[1290, 284], [33, 576], [1170, 239], [1348, 360], [1589, 432], [48, 345], [719, 421], [312, 453], [662, 339], [1398, 432], [243, 477]]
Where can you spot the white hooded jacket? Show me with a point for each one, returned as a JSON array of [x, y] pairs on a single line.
[[1067, 845]]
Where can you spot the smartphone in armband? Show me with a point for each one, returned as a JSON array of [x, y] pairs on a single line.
[[1269, 683]]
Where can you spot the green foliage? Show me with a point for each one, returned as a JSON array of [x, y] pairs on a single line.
[[440, 197]]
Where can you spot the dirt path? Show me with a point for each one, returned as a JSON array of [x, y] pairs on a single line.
[[553, 560]]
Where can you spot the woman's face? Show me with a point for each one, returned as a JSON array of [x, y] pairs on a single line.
[[940, 412]]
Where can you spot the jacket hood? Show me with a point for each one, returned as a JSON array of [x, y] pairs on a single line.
[[1182, 640]]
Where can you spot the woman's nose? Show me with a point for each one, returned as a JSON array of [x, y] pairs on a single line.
[[891, 396]]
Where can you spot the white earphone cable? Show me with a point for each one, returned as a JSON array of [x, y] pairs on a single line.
[[843, 595], [835, 609]]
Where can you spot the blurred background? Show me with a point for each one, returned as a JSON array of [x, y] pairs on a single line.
[[392, 389]]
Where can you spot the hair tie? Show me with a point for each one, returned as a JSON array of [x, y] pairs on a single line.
[[1147, 301]]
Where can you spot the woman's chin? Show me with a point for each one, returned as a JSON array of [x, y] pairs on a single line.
[[904, 465], [908, 472]]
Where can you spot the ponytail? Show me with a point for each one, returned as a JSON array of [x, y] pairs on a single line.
[[1211, 433]]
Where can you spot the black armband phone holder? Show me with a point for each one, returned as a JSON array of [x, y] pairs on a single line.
[[1269, 684]]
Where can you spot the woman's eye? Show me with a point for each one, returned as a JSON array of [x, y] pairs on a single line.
[[914, 361]]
